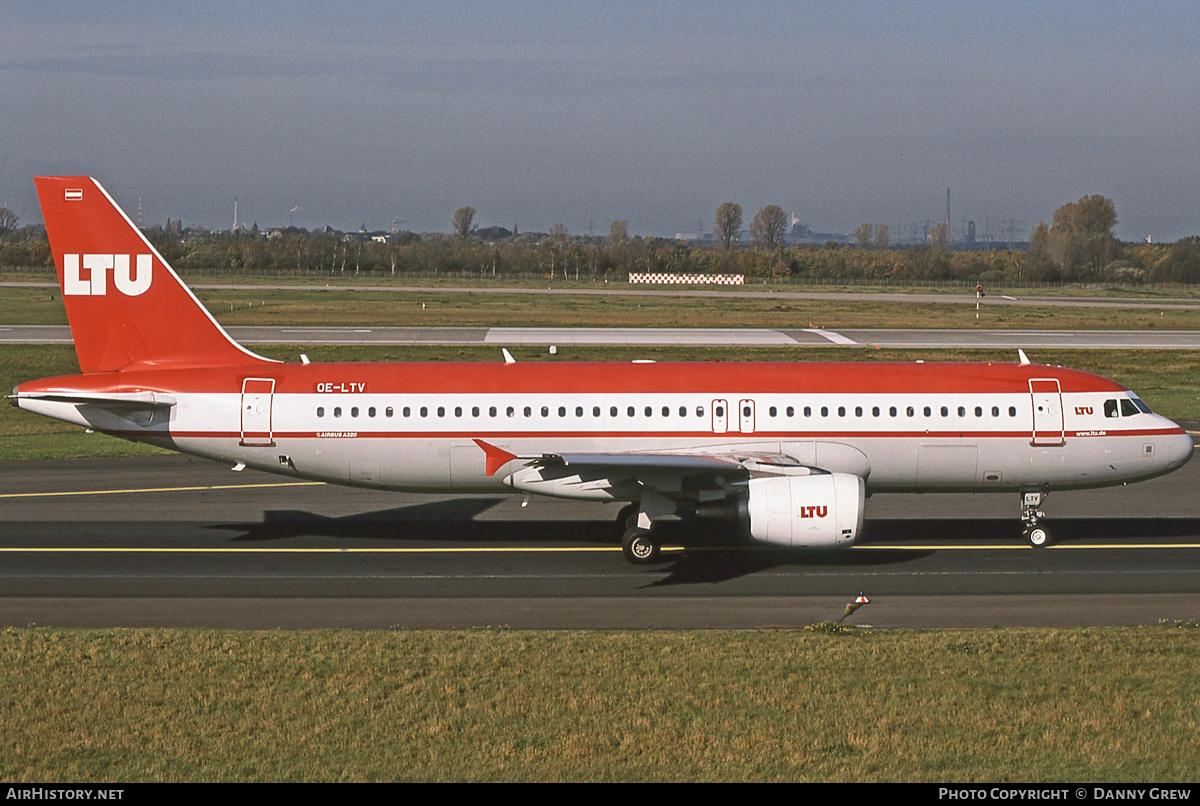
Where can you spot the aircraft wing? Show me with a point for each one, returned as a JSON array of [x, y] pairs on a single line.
[[606, 476]]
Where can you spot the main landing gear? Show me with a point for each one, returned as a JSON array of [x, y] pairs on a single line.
[[637, 543], [1037, 535]]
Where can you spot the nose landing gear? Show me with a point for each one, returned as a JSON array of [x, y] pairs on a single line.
[[1037, 535]]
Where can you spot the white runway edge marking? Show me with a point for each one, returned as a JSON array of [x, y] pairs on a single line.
[[836, 338]]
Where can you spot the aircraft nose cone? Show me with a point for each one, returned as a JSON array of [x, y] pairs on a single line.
[[1186, 449], [1177, 449]]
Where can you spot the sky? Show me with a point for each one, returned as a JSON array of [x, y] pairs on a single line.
[[582, 113]]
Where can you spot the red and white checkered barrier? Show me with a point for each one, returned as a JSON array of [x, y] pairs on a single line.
[[688, 279]]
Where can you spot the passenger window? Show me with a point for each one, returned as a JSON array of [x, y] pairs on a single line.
[[491, 411], [995, 411], [807, 411], [841, 411], [354, 411], [510, 411], [528, 411], [979, 411], [371, 412], [474, 411], [595, 411], [683, 411], [1012, 411], [630, 411], [719, 411], [699, 411], [337, 411], [441, 411], [320, 411], [388, 412], [612, 411], [874, 411], [928, 412], [562, 411], [791, 411], [649, 412], [772, 411], [945, 411], [892, 411], [858, 411], [458, 411], [910, 411], [407, 411], [579, 411], [545, 411], [824, 411]]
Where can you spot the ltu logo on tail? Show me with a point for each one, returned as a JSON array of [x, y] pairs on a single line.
[[97, 267]]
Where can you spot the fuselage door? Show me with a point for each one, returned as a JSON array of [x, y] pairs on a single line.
[[1047, 412], [720, 416], [746, 416], [257, 395]]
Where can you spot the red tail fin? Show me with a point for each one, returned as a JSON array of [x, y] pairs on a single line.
[[126, 306]]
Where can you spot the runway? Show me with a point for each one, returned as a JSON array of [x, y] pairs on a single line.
[[685, 337], [175, 541]]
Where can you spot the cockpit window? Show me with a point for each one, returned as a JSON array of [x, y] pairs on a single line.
[[1127, 407], [1142, 407], [1110, 408]]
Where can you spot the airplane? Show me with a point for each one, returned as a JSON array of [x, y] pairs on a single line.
[[786, 453]]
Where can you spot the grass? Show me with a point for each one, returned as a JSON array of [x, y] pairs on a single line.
[[1105, 705], [341, 304]]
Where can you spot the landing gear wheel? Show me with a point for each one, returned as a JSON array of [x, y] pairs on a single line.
[[639, 547], [1037, 536]]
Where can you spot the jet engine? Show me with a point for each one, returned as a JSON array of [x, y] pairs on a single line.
[[823, 510]]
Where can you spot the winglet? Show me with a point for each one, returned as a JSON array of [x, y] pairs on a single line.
[[496, 457]]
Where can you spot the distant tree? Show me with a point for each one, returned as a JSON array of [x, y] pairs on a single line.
[[1079, 238], [727, 227], [939, 236], [769, 227], [1088, 224], [618, 231], [863, 235], [8, 220], [559, 232], [464, 222], [1182, 264], [882, 237]]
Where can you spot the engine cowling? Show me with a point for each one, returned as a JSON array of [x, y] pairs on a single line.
[[812, 511]]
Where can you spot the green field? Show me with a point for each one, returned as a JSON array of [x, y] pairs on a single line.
[[341, 304], [1104, 705]]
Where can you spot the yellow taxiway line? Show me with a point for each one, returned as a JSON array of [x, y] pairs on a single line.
[[165, 489]]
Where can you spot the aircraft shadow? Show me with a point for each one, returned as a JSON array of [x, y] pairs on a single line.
[[714, 554]]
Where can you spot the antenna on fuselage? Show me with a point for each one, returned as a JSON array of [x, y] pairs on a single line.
[[1024, 358], [508, 359]]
